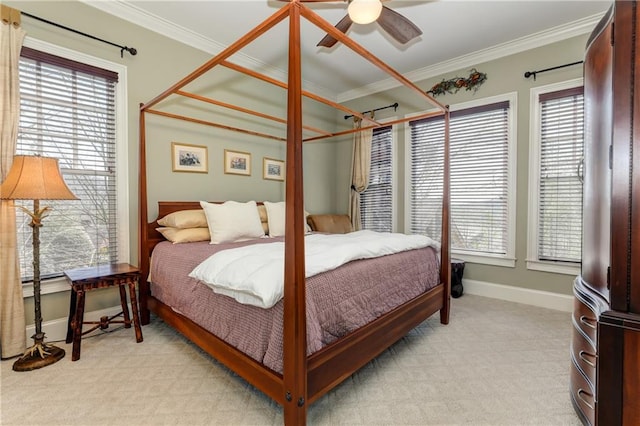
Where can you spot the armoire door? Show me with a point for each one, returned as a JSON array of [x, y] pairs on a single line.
[[598, 104]]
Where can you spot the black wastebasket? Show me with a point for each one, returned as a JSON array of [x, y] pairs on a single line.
[[457, 270]]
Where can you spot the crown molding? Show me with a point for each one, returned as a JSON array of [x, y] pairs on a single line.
[[128, 12], [135, 15], [542, 38]]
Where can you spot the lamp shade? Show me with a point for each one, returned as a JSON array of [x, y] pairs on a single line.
[[364, 11], [35, 178]]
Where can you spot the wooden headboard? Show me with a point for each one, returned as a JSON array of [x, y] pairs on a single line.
[[165, 208], [168, 207]]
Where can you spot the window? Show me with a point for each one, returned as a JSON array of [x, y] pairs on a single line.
[[482, 156], [69, 110], [376, 203], [555, 202]]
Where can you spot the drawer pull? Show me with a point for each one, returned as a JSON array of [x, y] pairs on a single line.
[[584, 392], [589, 322], [583, 356]]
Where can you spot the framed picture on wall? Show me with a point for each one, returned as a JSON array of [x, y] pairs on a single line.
[[237, 162], [189, 158], [272, 169]]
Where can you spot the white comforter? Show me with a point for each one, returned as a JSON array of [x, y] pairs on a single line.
[[254, 274]]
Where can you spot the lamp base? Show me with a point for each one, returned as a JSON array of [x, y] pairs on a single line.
[[39, 355]]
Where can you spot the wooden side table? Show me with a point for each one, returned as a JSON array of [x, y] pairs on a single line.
[[103, 276]]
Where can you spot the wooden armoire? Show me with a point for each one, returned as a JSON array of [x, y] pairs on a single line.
[[605, 349]]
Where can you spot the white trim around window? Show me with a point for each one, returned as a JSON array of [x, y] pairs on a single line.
[[533, 262], [508, 259], [395, 177], [122, 163]]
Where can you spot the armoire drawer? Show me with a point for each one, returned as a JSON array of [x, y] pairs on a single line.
[[584, 356], [585, 319], [582, 395]]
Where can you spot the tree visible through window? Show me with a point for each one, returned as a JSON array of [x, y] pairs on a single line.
[[480, 180], [376, 202], [561, 141], [68, 112]]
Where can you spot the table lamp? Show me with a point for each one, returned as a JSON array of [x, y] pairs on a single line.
[[36, 178]]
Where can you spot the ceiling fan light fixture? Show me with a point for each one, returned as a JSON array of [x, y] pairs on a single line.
[[364, 11]]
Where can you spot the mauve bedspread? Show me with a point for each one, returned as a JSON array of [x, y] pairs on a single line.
[[338, 301]]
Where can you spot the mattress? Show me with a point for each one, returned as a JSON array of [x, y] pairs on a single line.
[[338, 301]]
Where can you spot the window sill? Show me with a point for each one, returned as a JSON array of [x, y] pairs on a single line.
[[484, 259], [554, 267], [53, 285]]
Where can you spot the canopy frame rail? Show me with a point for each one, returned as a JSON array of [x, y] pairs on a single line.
[[247, 111], [382, 124], [299, 385], [217, 125], [317, 20], [305, 93], [283, 139], [262, 28]]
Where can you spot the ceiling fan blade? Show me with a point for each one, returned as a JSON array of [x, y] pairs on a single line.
[[343, 25], [398, 27]]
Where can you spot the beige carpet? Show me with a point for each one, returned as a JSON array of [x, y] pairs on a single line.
[[496, 363]]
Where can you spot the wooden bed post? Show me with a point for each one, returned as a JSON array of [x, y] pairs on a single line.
[[304, 378], [143, 252], [445, 253], [295, 322]]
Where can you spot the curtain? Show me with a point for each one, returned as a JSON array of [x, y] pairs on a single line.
[[359, 170], [12, 321]]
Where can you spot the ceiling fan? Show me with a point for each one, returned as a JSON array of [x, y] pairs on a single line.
[[367, 11]]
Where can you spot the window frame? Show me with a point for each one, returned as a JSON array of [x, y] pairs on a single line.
[[59, 284], [533, 260], [508, 259], [394, 176]]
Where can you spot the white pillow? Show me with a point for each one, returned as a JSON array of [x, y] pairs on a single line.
[[232, 221], [276, 217]]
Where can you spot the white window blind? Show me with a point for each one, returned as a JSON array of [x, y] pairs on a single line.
[[479, 148], [427, 161], [67, 111], [560, 189], [376, 202]]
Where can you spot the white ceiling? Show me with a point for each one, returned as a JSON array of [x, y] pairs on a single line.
[[456, 34]]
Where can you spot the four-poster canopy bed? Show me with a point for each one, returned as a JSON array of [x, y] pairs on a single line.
[[304, 374]]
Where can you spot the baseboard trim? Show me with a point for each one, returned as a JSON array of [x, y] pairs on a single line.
[[527, 296], [56, 330]]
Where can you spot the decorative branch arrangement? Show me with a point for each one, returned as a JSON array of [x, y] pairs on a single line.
[[453, 85]]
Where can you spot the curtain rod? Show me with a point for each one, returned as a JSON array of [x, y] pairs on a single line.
[[131, 50], [394, 106], [533, 73]]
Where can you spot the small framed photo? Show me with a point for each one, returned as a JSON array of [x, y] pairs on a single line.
[[272, 169], [189, 158], [237, 162]]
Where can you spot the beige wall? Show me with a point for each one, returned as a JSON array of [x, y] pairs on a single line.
[[161, 62], [504, 75]]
